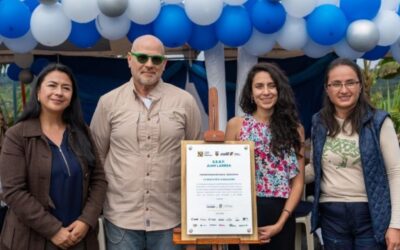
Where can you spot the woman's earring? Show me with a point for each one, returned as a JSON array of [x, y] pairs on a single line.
[[38, 99]]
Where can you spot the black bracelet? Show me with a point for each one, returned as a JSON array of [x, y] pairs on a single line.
[[287, 211]]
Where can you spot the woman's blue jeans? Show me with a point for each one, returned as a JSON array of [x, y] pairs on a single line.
[[347, 226]]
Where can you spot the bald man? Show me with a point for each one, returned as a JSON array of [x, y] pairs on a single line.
[[138, 128]]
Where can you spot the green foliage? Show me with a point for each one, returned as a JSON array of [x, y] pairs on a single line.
[[6, 97], [385, 93], [390, 103]]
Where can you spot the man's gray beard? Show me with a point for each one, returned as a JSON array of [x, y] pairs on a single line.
[[148, 82]]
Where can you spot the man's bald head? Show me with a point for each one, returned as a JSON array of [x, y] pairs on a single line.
[[148, 42]]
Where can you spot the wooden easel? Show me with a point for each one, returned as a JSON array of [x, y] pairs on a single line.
[[213, 134]]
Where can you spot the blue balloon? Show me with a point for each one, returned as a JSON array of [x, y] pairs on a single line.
[[15, 18], [172, 26], [249, 4], [376, 53], [203, 37], [326, 25], [32, 4], [137, 30], [268, 17], [234, 27], [360, 9], [38, 65], [13, 72], [84, 35]]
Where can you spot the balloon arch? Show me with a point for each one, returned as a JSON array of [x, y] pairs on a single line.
[[350, 28]]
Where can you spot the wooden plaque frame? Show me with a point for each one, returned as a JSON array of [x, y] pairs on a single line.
[[216, 239]]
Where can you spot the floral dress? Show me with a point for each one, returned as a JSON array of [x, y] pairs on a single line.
[[273, 173]]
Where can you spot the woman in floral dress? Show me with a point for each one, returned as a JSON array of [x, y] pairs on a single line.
[[272, 123]]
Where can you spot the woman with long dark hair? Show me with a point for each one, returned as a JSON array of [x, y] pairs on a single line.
[[356, 165], [52, 179], [272, 122]]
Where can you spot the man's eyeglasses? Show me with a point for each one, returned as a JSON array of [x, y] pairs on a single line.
[[338, 84], [143, 58]]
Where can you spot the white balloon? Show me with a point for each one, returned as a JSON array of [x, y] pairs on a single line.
[[172, 1], [49, 25], [113, 8], [362, 35], [143, 12], [388, 23], [332, 2], [343, 49], [235, 2], [24, 61], [395, 48], [260, 43], [315, 50], [81, 11], [112, 28], [21, 44], [389, 5], [203, 12], [299, 8], [293, 34]]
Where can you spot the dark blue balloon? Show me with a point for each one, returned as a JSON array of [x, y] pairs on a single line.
[[15, 18], [13, 72], [38, 65], [360, 9], [32, 4], [268, 17], [137, 30], [326, 25], [234, 28], [203, 37], [376, 53], [84, 35], [172, 26]]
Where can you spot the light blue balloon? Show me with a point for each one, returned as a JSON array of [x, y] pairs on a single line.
[[15, 18], [268, 17], [360, 9], [234, 28], [172, 26], [203, 37], [84, 35], [326, 25]]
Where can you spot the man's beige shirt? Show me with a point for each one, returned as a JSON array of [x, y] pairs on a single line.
[[140, 149]]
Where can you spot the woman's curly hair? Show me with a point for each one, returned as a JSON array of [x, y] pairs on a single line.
[[285, 119]]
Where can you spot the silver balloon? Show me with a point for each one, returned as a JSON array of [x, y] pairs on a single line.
[[362, 35], [48, 2], [25, 76], [112, 8]]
